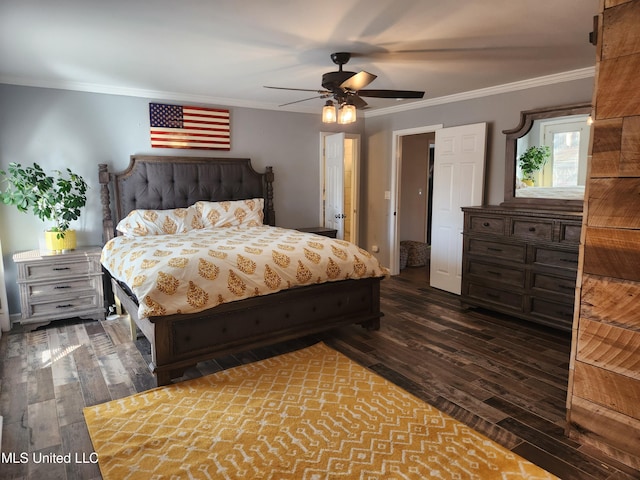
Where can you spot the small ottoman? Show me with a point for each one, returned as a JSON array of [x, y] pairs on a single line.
[[404, 256], [418, 253]]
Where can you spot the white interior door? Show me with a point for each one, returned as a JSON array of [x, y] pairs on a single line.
[[458, 181], [334, 183]]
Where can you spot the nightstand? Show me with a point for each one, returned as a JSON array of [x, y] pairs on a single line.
[[325, 232], [56, 286]]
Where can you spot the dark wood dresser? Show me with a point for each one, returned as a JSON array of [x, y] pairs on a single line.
[[522, 262]]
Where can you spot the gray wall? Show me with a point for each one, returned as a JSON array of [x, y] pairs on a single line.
[[501, 112], [58, 128]]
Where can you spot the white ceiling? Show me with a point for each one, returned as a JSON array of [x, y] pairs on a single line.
[[223, 52]]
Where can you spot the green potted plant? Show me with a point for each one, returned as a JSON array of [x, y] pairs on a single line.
[[57, 198], [532, 160]]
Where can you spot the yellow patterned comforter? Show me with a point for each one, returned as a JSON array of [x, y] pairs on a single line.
[[194, 271]]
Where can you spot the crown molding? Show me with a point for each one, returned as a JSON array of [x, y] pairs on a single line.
[[487, 92], [143, 93], [204, 99]]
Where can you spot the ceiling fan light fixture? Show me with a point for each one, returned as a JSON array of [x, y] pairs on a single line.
[[347, 114], [329, 112]]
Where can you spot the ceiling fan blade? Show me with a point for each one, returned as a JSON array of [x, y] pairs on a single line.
[[358, 81], [305, 99], [391, 93], [322, 92], [357, 101]]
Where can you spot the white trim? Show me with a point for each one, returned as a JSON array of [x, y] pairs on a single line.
[[396, 170], [486, 92], [205, 99]]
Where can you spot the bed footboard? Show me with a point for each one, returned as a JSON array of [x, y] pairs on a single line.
[[180, 341]]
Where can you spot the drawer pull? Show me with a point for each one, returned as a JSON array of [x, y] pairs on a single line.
[[60, 287], [67, 305], [493, 295], [497, 274], [532, 229], [493, 249], [61, 268], [485, 224]]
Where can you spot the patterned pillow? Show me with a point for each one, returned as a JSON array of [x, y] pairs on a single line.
[[160, 222], [232, 213]]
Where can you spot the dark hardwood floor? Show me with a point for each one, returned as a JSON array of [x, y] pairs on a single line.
[[503, 377]]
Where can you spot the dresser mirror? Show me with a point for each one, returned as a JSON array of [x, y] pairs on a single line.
[[559, 183]]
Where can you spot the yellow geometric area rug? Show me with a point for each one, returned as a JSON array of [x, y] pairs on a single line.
[[310, 414]]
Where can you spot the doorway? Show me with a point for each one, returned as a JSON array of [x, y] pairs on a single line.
[[458, 180], [396, 187], [340, 183]]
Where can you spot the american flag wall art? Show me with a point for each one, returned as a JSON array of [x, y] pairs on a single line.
[[176, 126]]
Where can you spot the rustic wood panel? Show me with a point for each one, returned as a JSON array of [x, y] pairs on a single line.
[[612, 253], [611, 301], [610, 347], [604, 387], [614, 3], [619, 37], [607, 428], [616, 97], [630, 154], [606, 148], [613, 202]]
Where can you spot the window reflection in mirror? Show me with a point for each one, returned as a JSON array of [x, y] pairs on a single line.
[[564, 174]]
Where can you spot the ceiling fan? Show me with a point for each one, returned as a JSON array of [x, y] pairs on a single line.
[[347, 88]]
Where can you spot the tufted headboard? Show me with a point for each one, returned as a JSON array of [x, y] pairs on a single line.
[[164, 182]]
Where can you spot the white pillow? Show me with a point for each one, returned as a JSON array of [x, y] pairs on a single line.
[[160, 222], [231, 213]]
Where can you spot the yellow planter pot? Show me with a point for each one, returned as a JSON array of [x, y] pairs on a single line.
[[54, 244]]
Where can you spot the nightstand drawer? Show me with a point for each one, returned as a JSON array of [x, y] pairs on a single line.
[[48, 270], [65, 307], [62, 287]]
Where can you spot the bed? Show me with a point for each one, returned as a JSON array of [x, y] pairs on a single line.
[[181, 340]]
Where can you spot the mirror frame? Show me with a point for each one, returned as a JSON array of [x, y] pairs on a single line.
[[526, 122]]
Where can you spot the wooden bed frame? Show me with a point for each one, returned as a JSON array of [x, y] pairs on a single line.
[[180, 341]]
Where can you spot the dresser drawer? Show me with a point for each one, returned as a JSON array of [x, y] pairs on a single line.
[[532, 229], [489, 273], [506, 251], [512, 300], [570, 233], [553, 284], [556, 314], [56, 270], [555, 258], [61, 287], [486, 224]]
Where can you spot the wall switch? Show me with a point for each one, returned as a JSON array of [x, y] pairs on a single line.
[[387, 195]]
